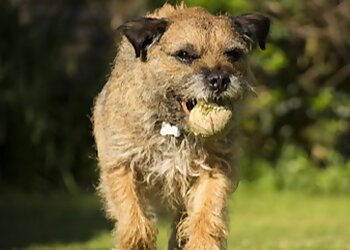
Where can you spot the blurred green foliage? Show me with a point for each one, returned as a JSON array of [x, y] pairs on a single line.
[[295, 133], [49, 76]]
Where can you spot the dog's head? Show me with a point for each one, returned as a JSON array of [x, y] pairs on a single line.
[[194, 57]]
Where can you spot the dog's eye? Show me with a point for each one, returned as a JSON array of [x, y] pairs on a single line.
[[234, 55], [185, 56]]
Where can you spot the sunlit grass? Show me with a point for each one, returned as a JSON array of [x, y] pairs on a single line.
[[258, 221], [289, 221]]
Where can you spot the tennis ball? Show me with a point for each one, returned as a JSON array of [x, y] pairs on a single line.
[[210, 120]]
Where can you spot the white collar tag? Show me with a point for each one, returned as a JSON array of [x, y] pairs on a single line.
[[168, 129]]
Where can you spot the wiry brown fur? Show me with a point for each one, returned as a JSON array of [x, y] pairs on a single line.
[[190, 174]]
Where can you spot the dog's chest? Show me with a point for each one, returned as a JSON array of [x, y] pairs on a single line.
[[174, 157]]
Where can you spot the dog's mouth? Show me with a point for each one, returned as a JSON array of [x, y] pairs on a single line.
[[188, 105]]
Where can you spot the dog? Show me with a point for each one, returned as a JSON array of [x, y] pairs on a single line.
[[177, 72]]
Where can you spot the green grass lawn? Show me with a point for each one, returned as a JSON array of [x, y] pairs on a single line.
[[258, 221]]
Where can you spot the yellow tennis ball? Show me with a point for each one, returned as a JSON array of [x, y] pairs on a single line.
[[210, 120]]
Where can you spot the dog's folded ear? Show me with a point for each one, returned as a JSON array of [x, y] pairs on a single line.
[[253, 27], [143, 32]]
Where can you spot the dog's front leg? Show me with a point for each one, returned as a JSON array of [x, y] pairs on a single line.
[[134, 230], [204, 227]]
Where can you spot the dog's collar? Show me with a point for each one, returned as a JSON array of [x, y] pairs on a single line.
[[168, 129]]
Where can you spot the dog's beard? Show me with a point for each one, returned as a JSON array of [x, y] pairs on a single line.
[[194, 90], [194, 94]]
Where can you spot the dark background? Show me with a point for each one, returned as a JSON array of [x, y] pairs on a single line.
[[56, 55]]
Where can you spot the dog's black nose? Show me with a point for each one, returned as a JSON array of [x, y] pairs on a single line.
[[218, 81]]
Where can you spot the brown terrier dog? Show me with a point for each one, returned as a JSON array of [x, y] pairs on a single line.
[[171, 63]]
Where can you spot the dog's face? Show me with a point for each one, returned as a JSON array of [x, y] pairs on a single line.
[[195, 57]]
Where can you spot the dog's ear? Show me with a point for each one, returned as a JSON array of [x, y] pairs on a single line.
[[143, 32], [253, 27]]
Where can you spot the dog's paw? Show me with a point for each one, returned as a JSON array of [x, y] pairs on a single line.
[[203, 244], [140, 236]]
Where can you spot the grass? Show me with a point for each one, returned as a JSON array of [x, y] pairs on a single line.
[[258, 221]]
